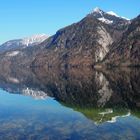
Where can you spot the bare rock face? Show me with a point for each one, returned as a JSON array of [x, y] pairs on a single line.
[[126, 52], [104, 41]]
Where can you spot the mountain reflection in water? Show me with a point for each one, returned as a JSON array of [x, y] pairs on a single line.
[[69, 104]]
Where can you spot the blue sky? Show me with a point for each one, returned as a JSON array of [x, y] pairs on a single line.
[[21, 18]]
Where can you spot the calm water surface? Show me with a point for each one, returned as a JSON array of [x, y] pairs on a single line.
[[74, 104]]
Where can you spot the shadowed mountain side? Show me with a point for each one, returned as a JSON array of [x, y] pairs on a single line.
[[126, 52], [125, 83]]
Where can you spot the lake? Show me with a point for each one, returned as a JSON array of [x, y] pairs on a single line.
[[69, 104]]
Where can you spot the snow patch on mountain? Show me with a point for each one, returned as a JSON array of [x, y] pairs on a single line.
[[36, 94], [125, 18], [105, 20], [13, 53], [112, 13], [34, 39], [13, 80]]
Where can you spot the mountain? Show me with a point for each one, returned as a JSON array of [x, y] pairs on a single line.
[[126, 52], [23, 43], [84, 43]]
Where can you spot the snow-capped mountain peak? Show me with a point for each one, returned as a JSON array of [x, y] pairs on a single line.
[[23, 43], [34, 39], [97, 9], [107, 17]]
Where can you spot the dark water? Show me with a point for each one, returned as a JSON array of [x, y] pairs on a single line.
[[72, 104]]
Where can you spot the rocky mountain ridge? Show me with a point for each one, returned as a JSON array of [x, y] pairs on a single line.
[[23, 43]]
